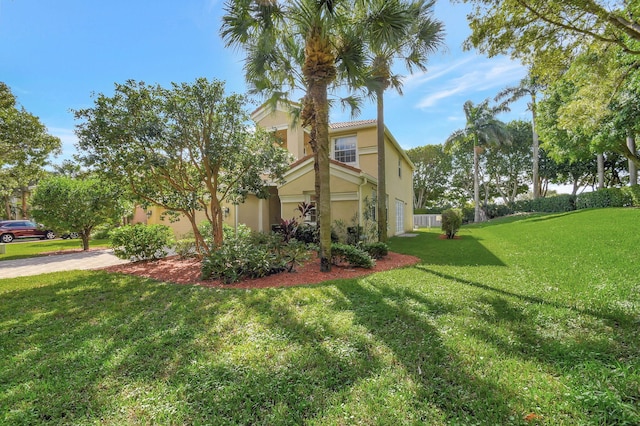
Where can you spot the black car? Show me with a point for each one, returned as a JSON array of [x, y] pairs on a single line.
[[12, 229]]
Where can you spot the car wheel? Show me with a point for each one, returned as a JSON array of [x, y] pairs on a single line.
[[6, 238], [74, 235], [50, 235]]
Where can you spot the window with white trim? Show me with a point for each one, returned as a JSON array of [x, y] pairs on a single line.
[[345, 150]]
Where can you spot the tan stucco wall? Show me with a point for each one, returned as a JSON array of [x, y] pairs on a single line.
[[294, 135]]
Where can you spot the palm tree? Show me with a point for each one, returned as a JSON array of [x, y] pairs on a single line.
[[528, 87], [299, 40], [395, 29], [482, 128]]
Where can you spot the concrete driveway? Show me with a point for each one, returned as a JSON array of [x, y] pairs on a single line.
[[93, 259]]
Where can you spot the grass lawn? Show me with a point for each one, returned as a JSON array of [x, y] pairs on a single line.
[[531, 320], [29, 248]]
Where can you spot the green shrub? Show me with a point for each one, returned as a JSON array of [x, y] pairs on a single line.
[[497, 210], [451, 222], [468, 213], [254, 256], [141, 242], [521, 206], [343, 253], [556, 204], [237, 259], [606, 197], [101, 232], [375, 250], [308, 234], [186, 247], [633, 192], [206, 230]]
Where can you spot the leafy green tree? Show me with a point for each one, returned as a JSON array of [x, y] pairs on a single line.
[[550, 33], [314, 41], [528, 87], [482, 128], [25, 146], [77, 205], [431, 178], [402, 30], [187, 148], [509, 165]]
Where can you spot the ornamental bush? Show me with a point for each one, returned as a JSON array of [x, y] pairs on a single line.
[[633, 192], [451, 222], [186, 248], [141, 242], [606, 197], [343, 253], [375, 250], [253, 256]]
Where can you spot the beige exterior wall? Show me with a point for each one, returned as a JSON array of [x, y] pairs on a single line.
[[350, 186]]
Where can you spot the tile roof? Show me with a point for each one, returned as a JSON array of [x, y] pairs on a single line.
[[346, 124]]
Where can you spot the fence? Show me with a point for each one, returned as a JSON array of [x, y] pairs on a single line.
[[427, 220]]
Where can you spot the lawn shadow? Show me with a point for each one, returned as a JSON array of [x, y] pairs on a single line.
[[72, 341], [402, 319], [594, 351], [467, 250]]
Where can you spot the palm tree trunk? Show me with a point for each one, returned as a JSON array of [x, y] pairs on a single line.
[[382, 181], [476, 183], [318, 93]]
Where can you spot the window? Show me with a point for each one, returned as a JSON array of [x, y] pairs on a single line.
[[399, 168], [344, 150]]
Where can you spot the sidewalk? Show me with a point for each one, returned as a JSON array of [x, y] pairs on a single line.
[[60, 262]]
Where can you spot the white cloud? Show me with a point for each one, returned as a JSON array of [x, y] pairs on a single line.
[[479, 75]]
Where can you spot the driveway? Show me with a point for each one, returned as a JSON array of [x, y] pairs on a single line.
[[93, 259]]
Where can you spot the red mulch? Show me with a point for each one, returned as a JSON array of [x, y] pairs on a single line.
[[187, 271]]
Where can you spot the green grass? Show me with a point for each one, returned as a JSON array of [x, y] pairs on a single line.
[[536, 315], [31, 248]]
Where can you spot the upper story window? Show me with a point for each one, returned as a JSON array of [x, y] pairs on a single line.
[[345, 150]]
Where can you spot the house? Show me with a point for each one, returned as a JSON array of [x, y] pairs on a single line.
[[353, 168]]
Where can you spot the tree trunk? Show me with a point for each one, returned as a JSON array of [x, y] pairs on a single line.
[[633, 169], [84, 235], [24, 203], [535, 151], [535, 175], [600, 170], [382, 176], [476, 184], [318, 92]]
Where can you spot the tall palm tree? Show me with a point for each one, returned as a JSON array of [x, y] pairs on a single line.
[[482, 128], [395, 29], [299, 40], [529, 86]]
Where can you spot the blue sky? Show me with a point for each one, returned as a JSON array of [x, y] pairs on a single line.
[[54, 55]]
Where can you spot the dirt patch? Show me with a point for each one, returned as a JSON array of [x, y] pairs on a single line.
[[187, 271]]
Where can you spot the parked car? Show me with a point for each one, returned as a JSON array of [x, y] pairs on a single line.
[[69, 235], [12, 229]]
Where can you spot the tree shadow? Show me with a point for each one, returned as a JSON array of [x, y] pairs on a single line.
[[467, 250], [594, 350], [402, 319]]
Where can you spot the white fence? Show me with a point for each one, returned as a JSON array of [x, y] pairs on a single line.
[[427, 220]]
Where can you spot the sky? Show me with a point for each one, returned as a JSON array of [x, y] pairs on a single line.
[[54, 55]]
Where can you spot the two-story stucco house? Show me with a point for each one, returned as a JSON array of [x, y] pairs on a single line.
[[354, 163]]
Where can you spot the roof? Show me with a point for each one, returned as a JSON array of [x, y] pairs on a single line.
[[347, 124]]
